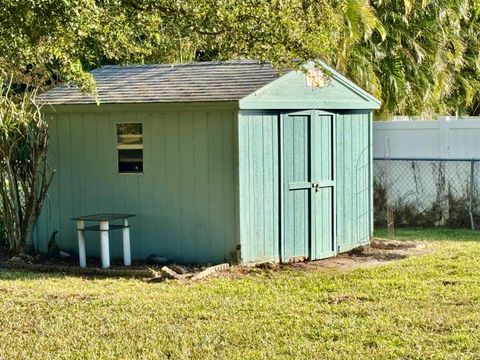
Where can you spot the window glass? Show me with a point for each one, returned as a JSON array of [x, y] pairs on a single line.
[[130, 148]]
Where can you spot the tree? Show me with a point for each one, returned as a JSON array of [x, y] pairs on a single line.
[[59, 40], [428, 62], [24, 175]]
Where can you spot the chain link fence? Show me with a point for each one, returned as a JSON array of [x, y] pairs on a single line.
[[427, 192]]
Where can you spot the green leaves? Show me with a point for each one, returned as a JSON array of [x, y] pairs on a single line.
[[46, 40], [362, 21], [425, 65], [415, 55]]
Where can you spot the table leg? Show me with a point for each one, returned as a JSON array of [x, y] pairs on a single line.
[[127, 258], [104, 245], [81, 243]]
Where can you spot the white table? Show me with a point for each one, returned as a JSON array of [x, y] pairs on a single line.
[[104, 227]]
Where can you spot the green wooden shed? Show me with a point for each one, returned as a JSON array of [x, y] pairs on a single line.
[[219, 161]]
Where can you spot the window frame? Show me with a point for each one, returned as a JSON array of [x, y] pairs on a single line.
[[119, 147]]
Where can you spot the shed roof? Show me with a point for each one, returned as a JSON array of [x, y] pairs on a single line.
[[192, 82], [253, 85]]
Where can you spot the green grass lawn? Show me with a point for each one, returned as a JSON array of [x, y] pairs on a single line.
[[416, 308]]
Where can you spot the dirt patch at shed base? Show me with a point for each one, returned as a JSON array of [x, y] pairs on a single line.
[[377, 252]]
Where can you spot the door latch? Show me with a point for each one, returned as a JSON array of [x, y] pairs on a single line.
[[316, 187]]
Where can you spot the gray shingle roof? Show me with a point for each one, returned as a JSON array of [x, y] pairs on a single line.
[[202, 81]]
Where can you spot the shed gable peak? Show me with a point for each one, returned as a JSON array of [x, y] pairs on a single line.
[[318, 87]]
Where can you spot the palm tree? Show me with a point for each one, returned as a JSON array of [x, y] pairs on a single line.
[[427, 64]]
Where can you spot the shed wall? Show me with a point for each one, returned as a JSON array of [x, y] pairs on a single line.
[[184, 201], [258, 185], [259, 181]]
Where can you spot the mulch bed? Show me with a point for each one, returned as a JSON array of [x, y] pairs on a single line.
[[69, 266]]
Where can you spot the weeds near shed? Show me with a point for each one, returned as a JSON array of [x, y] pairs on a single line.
[[24, 175], [451, 210]]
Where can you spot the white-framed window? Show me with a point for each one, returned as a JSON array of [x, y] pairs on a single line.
[[130, 148]]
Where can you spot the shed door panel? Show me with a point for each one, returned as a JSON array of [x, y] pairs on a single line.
[[323, 192], [308, 186], [296, 172]]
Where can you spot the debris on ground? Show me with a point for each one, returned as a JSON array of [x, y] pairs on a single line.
[[269, 265], [64, 254], [210, 270], [26, 258], [167, 273], [16, 259], [182, 270], [157, 259], [386, 244], [184, 273]]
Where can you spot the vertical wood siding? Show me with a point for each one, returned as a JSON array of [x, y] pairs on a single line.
[[259, 181], [353, 179], [184, 201], [296, 168], [258, 185], [323, 199]]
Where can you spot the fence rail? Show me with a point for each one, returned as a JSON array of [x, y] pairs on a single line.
[[427, 192]]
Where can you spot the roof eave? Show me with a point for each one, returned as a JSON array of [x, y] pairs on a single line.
[[136, 106]]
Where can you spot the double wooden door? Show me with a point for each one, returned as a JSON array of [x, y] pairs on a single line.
[[307, 148]]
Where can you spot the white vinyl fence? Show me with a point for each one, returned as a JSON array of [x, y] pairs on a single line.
[[428, 171], [445, 138]]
